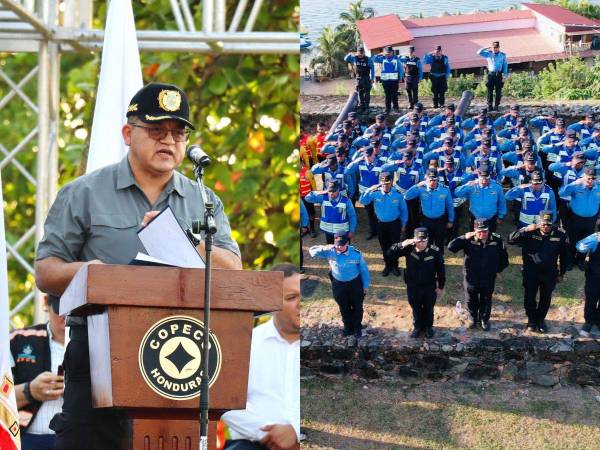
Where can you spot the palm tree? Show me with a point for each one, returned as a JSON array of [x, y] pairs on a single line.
[[331, 52], [348, 27]]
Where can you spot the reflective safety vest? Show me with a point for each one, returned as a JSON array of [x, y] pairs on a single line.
[[569, 176], [334, 217], [407, 177], [452, 181], [389, 70], [533, 203], [369, 175]]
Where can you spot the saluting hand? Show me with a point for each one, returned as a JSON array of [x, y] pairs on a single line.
[[469, 235], [407, 242]]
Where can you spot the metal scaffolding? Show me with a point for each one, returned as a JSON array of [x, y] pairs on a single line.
[[52, 27]]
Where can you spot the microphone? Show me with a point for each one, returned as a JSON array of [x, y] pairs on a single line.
[[196, 155]]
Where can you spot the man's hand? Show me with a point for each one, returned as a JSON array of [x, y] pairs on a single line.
[[531, 227], [472, 183], [407, 242], [279, 437], [449, 225], [148, 217], [469, 235], [47, 386]]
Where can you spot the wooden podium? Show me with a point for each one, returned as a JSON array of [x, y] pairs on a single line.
[[142, 329]]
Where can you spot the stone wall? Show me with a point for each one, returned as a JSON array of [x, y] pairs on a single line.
[[326, 108], [564, 358]]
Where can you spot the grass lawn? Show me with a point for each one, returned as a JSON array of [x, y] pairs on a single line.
[[454, 415]]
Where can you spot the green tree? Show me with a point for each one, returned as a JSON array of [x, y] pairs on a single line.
[[348, 28], [331, 51], [246, 111]]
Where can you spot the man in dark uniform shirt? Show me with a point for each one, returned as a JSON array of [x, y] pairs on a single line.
[[542, 245], [94, 220], [425, 276], [485, 258]]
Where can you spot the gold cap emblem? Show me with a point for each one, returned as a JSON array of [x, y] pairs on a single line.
[[169, 100]]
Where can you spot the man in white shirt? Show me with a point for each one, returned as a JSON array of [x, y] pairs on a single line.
[[271, 419], [37, 352]]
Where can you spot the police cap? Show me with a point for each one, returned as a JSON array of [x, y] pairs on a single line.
[[521, 122], [451, 131], [369, 150], [580, 156], [451, 107], [340, 151], [527, 145], [438, 48], [333, 186], [591, 115], [480, 225], [484, 111], [347, 123], [560, 122], [418, 106], [484, 171], [482, 121], [486, 142], [388, 49], [331, 159], [515, 107], [385, 177], [546, 217], [407, 154], [536, 177], [341, 238], [380, 117], [411, 142], [432, 174], [449, 160], [496, 44], [590, 171], [571, 134], [414, 117], [421, 234], [159, 101], [352, 115], [448, 141], [341, 137], [529, 157], [360, 48], [411, 48]]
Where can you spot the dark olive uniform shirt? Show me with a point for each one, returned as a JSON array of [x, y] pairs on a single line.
[[97, 216]]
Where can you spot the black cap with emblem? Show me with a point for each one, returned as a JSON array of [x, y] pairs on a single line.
[[159, 101], [432, 174], [341, 238], [385, 177], [480, 225], [536, 177], [421, 234], [546, 217]]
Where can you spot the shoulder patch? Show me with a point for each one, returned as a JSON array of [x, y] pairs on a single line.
[[496, 235], [434, 247]]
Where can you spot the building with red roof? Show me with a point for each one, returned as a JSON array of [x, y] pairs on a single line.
[[532, 36]]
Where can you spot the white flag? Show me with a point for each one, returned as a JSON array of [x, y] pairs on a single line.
[[120, 79], [9, 416]]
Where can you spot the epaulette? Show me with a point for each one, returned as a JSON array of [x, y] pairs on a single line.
[[496, 235], [435, 247]]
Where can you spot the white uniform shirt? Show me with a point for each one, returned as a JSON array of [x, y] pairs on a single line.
[[273, 386]]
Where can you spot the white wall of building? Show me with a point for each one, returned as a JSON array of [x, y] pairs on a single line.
[[550, 29], [473, 27]]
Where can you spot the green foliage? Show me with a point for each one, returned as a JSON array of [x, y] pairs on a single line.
[[334, 43], [246, 111], [348, 29], [520, 85], [331, 51], [457, 85], [583, 7], [571, 79]]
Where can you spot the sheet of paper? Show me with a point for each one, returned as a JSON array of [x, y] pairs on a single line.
[[142, 257], [164, 239]]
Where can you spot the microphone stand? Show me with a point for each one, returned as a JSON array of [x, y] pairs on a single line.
[[209, 227]]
